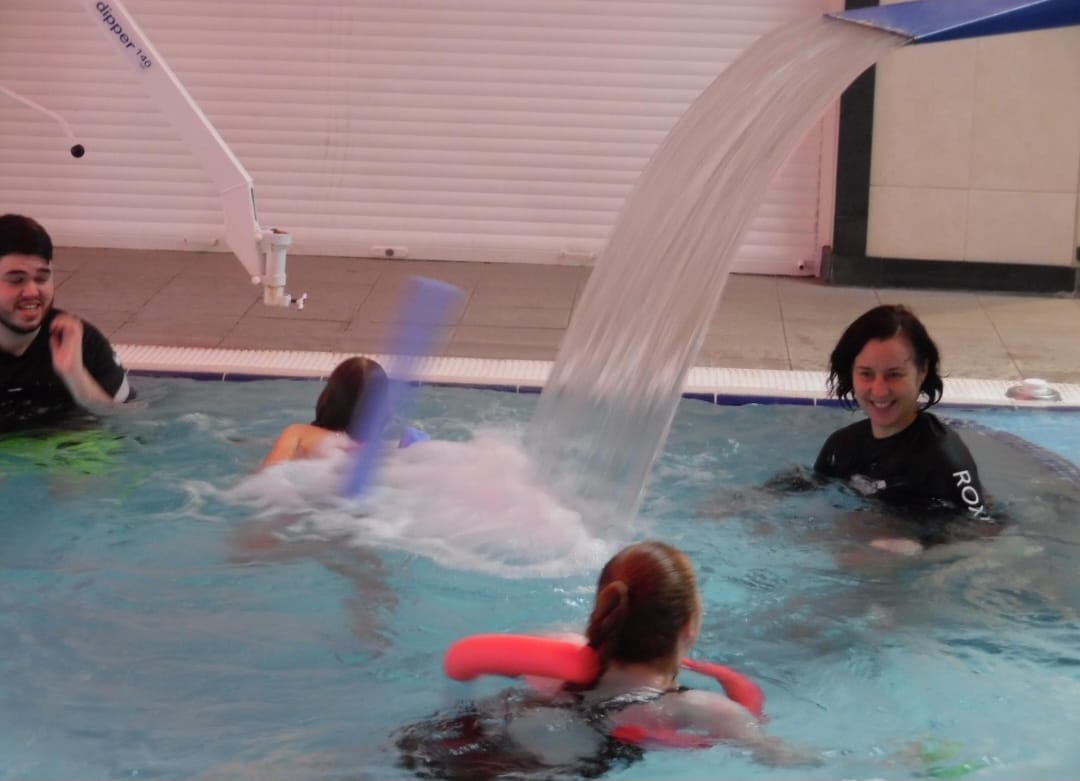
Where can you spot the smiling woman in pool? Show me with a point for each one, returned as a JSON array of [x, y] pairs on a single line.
[[886, 362]]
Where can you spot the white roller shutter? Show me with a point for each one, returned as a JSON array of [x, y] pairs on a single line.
[[474, 130]]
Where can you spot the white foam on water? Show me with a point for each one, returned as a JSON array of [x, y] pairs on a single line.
[[473, 505]]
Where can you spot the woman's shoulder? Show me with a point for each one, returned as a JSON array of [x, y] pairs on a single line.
[[706, 701], [843, 437], [943, 439], [305, 440], [697, 710], [932, 428], [709, 711], [837, 456], [304, 435]]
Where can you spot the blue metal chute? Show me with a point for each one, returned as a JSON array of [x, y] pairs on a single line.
[[927, 21]]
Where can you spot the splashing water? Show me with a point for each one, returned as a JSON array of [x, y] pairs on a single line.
[[609, 402], [468, 505]]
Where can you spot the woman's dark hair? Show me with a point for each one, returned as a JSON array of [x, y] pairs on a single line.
[[880, 323], [23, 236], [645, 597], [353, 379]]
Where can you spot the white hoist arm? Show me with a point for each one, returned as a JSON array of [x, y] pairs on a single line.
[[262, 251]]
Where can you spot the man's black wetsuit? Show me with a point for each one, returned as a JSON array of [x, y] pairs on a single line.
[[33, 395], [925, 465]]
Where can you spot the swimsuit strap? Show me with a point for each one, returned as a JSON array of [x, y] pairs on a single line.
[[599, 711]]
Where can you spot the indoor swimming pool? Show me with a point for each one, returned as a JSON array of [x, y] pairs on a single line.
[[167, 611]]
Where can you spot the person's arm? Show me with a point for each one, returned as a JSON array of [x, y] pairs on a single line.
[[831, 461], [287, 446], [66, 337], [966, 489], [304, 440], [715, 715], [796, 479]]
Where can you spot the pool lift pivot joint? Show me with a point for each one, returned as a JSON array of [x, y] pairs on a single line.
[[274, 244], [261, 250]]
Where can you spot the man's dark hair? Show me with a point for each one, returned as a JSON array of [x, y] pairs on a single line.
[[23, 236]]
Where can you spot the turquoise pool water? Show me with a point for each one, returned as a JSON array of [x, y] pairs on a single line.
[[165, 614]]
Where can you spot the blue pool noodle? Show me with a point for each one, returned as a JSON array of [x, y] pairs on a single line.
[[427, 301], [928, 21]]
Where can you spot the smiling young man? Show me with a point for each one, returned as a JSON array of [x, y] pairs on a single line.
[[886, 363], [51, 363]]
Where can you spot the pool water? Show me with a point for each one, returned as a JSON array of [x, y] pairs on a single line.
[[175, 615]]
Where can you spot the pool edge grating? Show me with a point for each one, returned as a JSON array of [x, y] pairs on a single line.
[[714, 384]]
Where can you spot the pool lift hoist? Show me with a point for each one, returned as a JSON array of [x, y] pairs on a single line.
[[261, 250]]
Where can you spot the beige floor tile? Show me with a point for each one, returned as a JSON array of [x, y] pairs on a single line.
[[962, 330], [167, 262], [1046, 345], [463, 275], [184, 332], [198, 296], [308, 272], [505, 342], [384, 337], [805, 300], [741, 361], [1049, 352], [560, 297], [938, 308], [749, 309], [750, 288], [390, 308], [518, 317], [961, 318], [223, 264], [737, 356], [108, 321], [107, 290], [534, 337], [1035, 312], [70, 258], [526, 352], [1052, 370], [358, 344], [60, 276], [329, 304], [810, 341], [257, 333], [382, 311], [984, 362], [732, 335], [496, 276]]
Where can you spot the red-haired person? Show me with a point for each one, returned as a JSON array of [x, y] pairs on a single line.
[[645, 619]]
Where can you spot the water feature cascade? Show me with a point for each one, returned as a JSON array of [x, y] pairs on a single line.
[[612, 393]]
